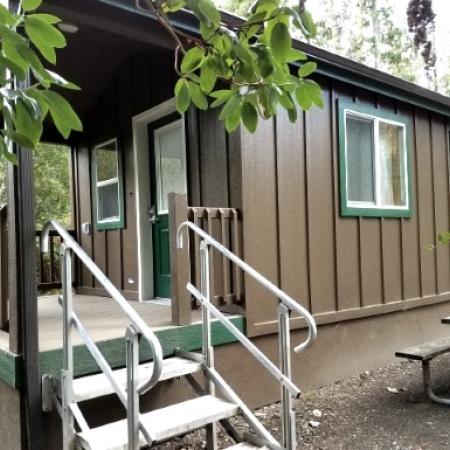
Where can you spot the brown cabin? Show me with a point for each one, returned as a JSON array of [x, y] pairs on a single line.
[[338, 210]]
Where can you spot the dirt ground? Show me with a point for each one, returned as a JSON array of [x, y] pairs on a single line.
[[381, 409]]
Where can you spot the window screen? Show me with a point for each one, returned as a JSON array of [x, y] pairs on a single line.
[[360, 153]]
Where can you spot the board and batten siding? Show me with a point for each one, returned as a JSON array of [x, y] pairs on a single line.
[[340, 268], [213, 158]]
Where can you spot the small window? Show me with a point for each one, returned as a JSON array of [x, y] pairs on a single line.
[[374, 162], [107, 186]]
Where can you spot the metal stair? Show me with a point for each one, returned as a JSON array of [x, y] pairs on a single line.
[[215, 401]]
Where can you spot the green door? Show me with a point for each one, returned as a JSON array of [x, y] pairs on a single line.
[[168, 174]]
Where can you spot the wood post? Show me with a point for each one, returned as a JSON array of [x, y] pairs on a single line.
[[4, 319], [179, 261]]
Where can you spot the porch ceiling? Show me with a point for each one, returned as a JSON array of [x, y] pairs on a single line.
[[106, 37]]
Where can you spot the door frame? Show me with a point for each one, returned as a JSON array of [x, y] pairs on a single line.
[[142, 174]]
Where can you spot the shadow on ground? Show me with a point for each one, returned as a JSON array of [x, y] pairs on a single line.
[[361, 413]]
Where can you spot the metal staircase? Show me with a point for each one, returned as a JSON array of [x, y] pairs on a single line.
[[216, 401]]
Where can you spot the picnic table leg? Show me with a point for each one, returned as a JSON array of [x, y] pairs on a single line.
[[427, 385]]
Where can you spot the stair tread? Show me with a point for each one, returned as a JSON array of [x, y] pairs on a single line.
[[246, 446], [161, 424], [93, 386]]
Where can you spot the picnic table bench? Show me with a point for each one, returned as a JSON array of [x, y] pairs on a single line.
[[425, 353]]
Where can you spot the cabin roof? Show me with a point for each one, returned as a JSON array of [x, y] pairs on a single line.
[[329, 64]]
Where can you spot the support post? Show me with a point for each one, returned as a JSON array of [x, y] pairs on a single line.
[[132, 343], [207, 347], [67, 370], [288, 413], [179, 261], [4, 319]]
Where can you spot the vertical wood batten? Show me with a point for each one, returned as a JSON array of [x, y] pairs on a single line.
[[411, 276], [370, 244], [320, 208], [259, 221], [391, 240], [441, 199], [348, 289], [113, 249], [292, 207], [128, 234], [425, 202]]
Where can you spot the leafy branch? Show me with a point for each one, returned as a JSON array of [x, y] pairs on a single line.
[[244, 68], [27, 40]]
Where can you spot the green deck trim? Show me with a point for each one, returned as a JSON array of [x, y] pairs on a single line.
[[10, 368], [186, 338]]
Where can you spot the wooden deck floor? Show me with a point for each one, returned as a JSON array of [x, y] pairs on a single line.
[[101, 316]]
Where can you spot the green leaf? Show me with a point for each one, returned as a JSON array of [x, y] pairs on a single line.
[[31, 59], [6, 16], [60, 107], [208, 75], [19, 138], [197, 96], [292, 114], [280, 42], [208, 9], [26, 125], [45, 37], [14, 68], [221, 97], [49, 18], [182, 95], [264, 61], [233, 120], [307, 69], [10, 35], [296, 55], [192, 59], [62, 82], [312, 87], [11, 53], [303, 97], [249, 117], [31, 5], [308, 23], [231, 106]]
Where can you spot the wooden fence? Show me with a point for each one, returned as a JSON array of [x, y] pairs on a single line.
[[227, 281], [47, 268]]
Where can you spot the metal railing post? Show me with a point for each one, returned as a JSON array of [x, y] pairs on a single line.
[[288, 413], [132, 356], [207, 347], [67, 370]]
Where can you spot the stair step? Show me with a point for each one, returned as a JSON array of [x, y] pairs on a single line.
[[161, 424], [246, 446], [93, 386]]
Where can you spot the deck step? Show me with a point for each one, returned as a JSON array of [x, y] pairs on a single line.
[[427, 351], [161, 424], [93, 386], [246, 446]]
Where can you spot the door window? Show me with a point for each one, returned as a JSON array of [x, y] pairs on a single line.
[[170, 163]]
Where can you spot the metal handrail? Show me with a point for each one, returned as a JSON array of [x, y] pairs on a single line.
[[115, 294], [288, 301]]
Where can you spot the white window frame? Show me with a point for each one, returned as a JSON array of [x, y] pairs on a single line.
[[110, 181], [376, 163]]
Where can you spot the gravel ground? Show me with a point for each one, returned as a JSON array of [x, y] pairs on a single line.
[[381, 409]]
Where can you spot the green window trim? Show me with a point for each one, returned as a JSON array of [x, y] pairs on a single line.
[[380, 114], [119, 221]]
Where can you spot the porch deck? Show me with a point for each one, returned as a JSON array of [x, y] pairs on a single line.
[[102, 317]]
